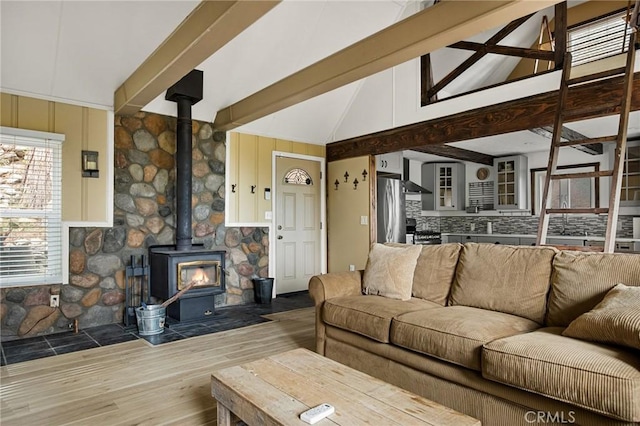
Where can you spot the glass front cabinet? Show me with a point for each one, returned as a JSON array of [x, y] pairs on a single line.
[[630, 191], [446, 182], [511, 182]]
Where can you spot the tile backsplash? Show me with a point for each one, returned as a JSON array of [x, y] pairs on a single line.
[[573, 225]]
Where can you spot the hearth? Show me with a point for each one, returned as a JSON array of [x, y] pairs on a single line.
[[171, 270]]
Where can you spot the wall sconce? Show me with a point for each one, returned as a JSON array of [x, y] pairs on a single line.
[[364, 175], [346, 176], [336, 183], [355, 183], [90, 164]]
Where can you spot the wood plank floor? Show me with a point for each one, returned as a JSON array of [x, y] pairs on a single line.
[[135, 383]]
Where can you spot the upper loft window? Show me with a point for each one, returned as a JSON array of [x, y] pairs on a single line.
[[599, 39], [30, 208], [298, 177]]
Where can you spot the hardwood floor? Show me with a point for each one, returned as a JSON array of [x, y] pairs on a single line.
[[137, 383]]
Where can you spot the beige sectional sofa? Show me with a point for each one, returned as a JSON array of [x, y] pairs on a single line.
[[481, 329]]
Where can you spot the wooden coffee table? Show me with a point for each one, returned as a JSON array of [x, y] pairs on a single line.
[[277, 389]]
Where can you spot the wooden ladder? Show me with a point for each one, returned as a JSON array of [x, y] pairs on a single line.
[[620, 140]]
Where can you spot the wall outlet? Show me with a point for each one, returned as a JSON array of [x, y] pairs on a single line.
[[352, 268], [54, 300], [364, 220], [473, 227]]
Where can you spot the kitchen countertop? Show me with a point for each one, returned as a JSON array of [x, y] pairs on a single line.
[[568, 237]]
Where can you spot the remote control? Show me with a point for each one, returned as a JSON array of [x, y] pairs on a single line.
[[315, 414]]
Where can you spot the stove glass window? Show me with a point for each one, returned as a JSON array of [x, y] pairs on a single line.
[[206, 273]]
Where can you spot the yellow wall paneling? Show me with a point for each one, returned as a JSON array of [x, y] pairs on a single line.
[[85, 201], [249, 164], [348, 238]]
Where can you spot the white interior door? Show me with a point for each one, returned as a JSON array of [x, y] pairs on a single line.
[[297, 223]]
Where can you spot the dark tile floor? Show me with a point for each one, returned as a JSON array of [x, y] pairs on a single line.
[[224, 318]]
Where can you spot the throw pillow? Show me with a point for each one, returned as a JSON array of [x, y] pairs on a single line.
[[614, 320], [389, 271]]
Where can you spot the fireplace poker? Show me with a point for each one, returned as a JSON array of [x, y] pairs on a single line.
[[180, 293]]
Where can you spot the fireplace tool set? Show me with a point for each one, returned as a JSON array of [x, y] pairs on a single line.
[[137, 287]]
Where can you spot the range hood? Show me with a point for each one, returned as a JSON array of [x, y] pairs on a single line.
[[409, 186], [414, 188]]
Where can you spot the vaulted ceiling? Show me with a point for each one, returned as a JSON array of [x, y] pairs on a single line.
[[82, 52]]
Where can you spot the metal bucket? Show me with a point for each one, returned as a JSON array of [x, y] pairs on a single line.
[[150, 319]]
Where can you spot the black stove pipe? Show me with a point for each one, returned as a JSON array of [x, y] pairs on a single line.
[[184, 163], [186, 93]]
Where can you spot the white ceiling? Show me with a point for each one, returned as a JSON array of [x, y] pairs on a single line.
[[81, 51]]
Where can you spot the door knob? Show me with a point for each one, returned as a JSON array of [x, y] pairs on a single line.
[[279, 237]]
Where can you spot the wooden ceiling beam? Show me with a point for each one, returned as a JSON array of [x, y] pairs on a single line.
[[211, 25], [456, 153], [479, 54], [570, 135], [521, 52], [506, 117], [435, 27]]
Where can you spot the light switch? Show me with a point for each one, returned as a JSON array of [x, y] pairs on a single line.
[[364, 220], [268, 215]]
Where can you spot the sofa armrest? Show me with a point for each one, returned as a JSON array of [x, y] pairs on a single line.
[[328, 286], [335, 284]]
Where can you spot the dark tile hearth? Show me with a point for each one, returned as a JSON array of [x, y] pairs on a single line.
[[224, 318]]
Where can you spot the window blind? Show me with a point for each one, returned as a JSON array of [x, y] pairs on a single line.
[[30, 209], [599, 39]]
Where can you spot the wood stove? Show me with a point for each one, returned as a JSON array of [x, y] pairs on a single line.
[[173, 267], [172, 270]]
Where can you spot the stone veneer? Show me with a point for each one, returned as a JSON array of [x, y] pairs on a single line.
[[144, 215]]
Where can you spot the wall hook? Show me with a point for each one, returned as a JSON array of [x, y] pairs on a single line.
[[233, 187], [253, 189], [336, 183], [346, 176], [364, 175], [355, 183]]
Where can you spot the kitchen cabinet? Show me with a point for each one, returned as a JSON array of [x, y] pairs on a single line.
[[555, 241], [511, 182], [527, 241], [390, 163], [499, 239], [446, 182], [460, 239], [630, 191]]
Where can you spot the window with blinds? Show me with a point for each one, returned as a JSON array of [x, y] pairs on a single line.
[[599, 39], [30, 208]]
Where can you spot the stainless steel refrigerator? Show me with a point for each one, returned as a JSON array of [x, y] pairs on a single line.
[[391, 211]]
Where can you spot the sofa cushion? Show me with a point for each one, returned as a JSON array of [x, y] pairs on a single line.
[[369, 315], [614, 320], [581, 280], [509, 279], [455, 333], [601, 378], [435, 269], [389, 271]]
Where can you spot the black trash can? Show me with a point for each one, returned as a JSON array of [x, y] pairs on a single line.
[[263, 289]]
